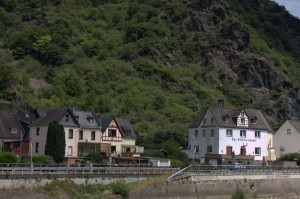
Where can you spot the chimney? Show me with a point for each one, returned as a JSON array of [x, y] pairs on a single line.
[[220, 103]]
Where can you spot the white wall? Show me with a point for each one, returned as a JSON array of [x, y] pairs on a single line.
[[236, 142]]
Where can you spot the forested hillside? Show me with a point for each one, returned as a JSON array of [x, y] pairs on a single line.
[[155, 62]]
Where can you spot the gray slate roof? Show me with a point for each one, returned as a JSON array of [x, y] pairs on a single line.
[[83, 117], [295, 124], [124, 125], [7, 123], [219, 113], [51, 115]]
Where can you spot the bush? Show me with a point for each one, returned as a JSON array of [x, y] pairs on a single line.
[[94, 157], [238, 194], [8, 157], [120, 188], [41, 159]]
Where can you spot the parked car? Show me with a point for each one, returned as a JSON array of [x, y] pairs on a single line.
[[238, 166]]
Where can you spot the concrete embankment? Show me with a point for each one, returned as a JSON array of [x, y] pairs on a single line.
[[206, 188]]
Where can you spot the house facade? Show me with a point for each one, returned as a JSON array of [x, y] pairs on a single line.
[[88, 137], [222, 135], [118, 139], [287, 138], [39, 129]]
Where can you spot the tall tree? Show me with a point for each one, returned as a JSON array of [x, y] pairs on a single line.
[[56, 142]]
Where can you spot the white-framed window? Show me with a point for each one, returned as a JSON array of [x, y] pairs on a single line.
[[80, 134], [288, 131], [209, 148], [204, 133], [243, 120], [257, 134], [229, 132], [243, 133], [196, 133], [257, 151], [204, 121], [70, 150], [212, 120], [13, 130], [70, 134], [112, 133], [212, 133]]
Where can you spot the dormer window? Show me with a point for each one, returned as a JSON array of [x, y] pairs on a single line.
[[67, 117], [242, 120], [204, 121], [13, 130], [90, 120], [254, 121], [212, 120], [226, 119]]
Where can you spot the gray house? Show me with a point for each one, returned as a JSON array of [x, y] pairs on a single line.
[[287, 138]]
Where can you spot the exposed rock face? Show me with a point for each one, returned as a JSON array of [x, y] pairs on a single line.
[[240, 65]]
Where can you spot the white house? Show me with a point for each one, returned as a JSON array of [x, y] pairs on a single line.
[[218, 134]]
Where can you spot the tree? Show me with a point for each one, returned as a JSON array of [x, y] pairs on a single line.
[[56, 143]]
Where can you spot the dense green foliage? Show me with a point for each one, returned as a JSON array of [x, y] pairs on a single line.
[[94, 157], [238, 194], [132, 59], [92, 191], [55, 143], [7, 157], [41, 159], [292, 157]]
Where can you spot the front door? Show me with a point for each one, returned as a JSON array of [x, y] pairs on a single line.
[[228, 150], [243, 150]]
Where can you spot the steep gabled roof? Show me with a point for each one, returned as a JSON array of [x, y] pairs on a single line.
[[295, 124], [8, 125], [51, 115], [197, 120], [105, 121], [219, 113], [123, 125], [83, 119], [125, 128]]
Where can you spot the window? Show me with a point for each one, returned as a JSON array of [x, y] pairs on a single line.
[[196, 149], [204, 121], [254, 121], [67, 117], [257, 134], [196, 133], [93, 136], [70, 150], [70, 133], [37, 131], [212, 120], [204, 133], [243, 133], [36, 147], [81, 135], [288, 131], [13, 130], [226, 119], [257, 150], [212, 133], [90, 120], [229, 132], [113, 148], [112, 133], [242, 120], [209, 149]]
